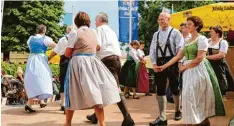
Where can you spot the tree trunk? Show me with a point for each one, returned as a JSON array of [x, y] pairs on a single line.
[[6, 56]]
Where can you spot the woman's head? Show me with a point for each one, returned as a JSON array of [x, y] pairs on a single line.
[[41, 29], [82, 19], [216, 31], [194, 23], [142, 45], [135, 44]]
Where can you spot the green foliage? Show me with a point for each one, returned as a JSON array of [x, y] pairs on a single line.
[[11, 69], [150, 10], [20, 19]]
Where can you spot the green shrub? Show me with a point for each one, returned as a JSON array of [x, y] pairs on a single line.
[[11, 69]]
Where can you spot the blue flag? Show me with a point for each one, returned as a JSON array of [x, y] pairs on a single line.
[[124, 7]]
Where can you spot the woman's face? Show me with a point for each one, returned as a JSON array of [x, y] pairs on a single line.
[[142, 46], [213, 34], [191, 26]]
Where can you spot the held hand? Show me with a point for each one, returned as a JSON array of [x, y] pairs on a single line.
[[179, 65], [182, 69], [161, 68], [156, 68]]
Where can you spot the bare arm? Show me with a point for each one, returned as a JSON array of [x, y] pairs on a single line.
[[201, 54], [218, 56], [52, 45], [175, 59], [52, 55]]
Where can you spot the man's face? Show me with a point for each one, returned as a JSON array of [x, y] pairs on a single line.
[[163, 21], [97, 22], [184, 29]]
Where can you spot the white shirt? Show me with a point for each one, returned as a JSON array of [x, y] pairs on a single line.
[[48, 41], [176, 42], [223, 46], [140, 53], [108, 41], [133, 53], [61, 46]]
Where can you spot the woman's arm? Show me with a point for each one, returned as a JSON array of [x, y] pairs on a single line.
[[175, 59], [201, 54], [218, 56], [52, 45]]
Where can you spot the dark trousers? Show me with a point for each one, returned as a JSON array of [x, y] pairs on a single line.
[[64, 61], [171, 74], [114, 65]]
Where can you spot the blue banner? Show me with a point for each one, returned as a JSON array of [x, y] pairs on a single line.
[[124, 7]]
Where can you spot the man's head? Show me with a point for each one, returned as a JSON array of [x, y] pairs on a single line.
[[163, 20], [101, 19], [68, 29], [184, 28]]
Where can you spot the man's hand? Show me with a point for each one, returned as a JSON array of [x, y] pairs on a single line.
[[156, 68], [161, 68]]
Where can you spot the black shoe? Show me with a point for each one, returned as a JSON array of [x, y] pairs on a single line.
[[27, 108], [148, 94], [128, 121], [158, 122], [62, 108], [92, 118], [178, 116], [43, 105]]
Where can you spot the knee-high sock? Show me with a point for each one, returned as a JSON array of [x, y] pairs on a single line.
[[62, 99], [162, 104], [177, 102]]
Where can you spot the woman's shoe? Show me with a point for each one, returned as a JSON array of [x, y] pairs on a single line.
[[43, 105], [135, 97], [27, 108], [126, 95], [148, 94]]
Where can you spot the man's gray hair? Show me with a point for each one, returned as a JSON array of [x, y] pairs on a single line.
[[103, 16], [41, 29], [68, 29]]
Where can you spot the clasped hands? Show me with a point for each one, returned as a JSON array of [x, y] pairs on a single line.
[[157, 68]]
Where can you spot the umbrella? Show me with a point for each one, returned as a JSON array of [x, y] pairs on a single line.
[[214, 14]]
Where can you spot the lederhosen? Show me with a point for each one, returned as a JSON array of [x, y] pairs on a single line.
[[114, 65], [222, 71], [171, 73], [64, 61]]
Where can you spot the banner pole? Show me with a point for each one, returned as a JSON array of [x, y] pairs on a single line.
[[130, 21]]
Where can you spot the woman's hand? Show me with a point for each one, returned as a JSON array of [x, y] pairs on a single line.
[[182, 68]]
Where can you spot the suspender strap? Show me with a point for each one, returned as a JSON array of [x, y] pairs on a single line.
[[158, 46], [168, 45]]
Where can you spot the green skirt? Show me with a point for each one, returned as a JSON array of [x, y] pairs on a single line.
[[128, 75], [219, 105]]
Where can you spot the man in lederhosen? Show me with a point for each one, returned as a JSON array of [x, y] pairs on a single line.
[[164, 46], [60, 50], [110, 53]]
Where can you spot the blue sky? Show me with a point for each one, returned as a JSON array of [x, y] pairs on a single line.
[[93, 8]]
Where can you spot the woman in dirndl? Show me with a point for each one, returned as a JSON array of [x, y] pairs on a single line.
[[88, 83], [128, 74], [38, 76], [143, 77], [201, 96], [217, 50]]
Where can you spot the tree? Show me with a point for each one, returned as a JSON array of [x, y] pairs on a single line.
[[20, 19], [150, 10]]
